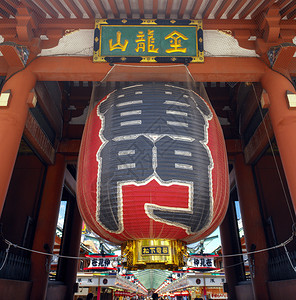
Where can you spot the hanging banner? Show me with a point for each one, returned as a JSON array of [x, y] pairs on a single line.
[[99, 262], [201, 262], [148, 41], [88, 281]]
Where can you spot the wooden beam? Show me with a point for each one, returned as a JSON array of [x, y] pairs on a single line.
[[287, 9], [70, 182], [222, 8], [31, 5], [141, 8], [292, 14], [196, 6], [224, 69], [38, 139], [47, 8], [155, 9], [80, 69], [261, 8], [86, 23], [5, 15], [71, 159], [8, 8], [128, 9], [235, 8], [259, 140], [87, 8], [182, 8], [3, 66], [231, 72], [69, 147], [282, 3], [233, 147], [114, 8], [47, 104], [248, 9], [249, 105], [13, 3], [12, 55], [74, 8], [209, 8], [284, 57], [232, 181], [288, 24], [168, 9], [60, 8], [100, 7]]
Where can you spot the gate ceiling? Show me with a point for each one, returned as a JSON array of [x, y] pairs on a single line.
[[168, 9]]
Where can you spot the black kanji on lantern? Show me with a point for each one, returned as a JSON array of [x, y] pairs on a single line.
[[154, 131]]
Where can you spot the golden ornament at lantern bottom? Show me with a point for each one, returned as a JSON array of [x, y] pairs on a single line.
[[155, 253]]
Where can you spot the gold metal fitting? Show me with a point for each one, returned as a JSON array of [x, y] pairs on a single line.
[[153, 254]]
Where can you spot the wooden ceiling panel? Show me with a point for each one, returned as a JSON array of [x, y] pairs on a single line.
[[236, 7], [114, 8], [4, 14], [141, 8], [7, 7], [292, 14], [209, 8], [13, 3], [82, 11], [195, 8], [264, 6], [74, 8], [168, 9], [101, 9], [60, 8], [222, 8], [182, 8], [31, 5], [249, 8], [127, 7], [283, 3], [87, 8], [47, 8], [155, 9], [288, 9]]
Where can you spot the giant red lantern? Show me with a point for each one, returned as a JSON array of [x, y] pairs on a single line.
[[152, 171]]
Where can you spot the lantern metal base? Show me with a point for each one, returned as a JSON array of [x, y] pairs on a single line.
[[153, 254]]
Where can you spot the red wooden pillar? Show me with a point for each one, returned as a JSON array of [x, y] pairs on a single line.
[[46, 227], [12, 122], [283, 123], [99, 293], [253, 227]]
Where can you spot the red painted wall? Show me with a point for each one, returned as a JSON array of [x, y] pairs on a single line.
[[22, 198], [273, 200]]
